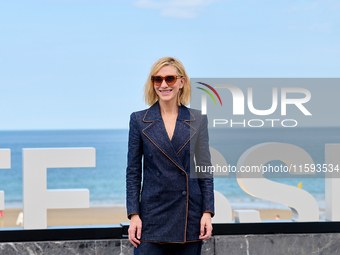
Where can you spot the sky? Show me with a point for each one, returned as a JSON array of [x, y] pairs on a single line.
[[82, 64]]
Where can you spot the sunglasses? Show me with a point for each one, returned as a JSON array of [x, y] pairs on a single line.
[[169, 79]]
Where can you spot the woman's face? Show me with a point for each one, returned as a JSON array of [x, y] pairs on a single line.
[[165, 92]]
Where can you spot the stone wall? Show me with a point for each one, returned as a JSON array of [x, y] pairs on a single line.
[[292, 244]]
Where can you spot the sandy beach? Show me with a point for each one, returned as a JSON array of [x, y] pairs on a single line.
[[105, 215]]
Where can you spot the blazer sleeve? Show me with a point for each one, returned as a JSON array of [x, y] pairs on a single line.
[[134, 168], [203, 158]]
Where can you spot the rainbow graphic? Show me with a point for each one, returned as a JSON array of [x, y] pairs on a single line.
[[208, 92]]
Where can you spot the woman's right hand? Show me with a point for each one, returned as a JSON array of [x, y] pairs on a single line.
[[135, 226]]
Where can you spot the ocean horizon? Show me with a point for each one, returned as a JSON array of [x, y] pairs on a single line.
[[106, 181]]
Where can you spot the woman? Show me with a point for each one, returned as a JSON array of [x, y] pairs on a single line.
[[171, 212]]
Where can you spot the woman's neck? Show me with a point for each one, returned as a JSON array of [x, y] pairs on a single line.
[[168, 108]]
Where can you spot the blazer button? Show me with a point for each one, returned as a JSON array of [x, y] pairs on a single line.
[[150, 155], [184, 193], [158, 173], [182, 173]]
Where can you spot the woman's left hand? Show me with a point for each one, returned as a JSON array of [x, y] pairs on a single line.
[[206, 227]]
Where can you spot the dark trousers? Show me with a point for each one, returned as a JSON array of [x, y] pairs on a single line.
[[146, 248]]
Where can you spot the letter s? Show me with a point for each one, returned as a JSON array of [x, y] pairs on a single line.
[[302, 203]]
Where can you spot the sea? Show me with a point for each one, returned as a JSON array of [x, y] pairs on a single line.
[[106, 181]]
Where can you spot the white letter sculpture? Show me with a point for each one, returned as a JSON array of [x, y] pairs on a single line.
[[332, 182], [5, 163], [302, 204], [36, 197], [223, 211]]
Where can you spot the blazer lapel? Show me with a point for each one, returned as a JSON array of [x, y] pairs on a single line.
[[157, 134], [183, 130]]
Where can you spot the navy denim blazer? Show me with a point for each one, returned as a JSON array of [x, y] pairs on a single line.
[[170, 202]]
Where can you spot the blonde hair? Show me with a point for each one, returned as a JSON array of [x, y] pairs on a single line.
[[184, 93]]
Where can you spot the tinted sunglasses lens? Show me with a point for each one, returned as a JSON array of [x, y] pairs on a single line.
[[170, 80], [157, 80]]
